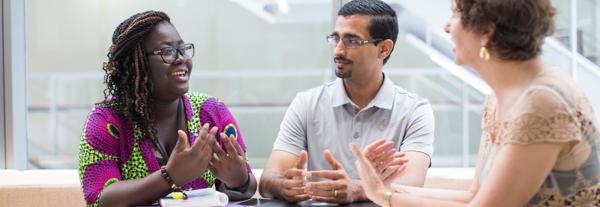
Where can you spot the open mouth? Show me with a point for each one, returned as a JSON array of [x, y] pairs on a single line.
[[179, 73], [180, 76]]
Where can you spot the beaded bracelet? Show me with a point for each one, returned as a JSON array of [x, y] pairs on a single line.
[[165, 175]]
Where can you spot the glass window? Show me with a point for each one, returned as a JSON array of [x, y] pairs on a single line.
[[586, 17], [245, 51], [255, 55]]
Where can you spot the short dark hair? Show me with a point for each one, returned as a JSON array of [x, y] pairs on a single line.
[[520, 25], [384, 22]]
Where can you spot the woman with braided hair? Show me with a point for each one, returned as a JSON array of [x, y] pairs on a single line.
[[150, 136]]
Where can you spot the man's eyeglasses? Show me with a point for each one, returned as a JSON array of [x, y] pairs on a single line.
[[350, 42], [170, 54]]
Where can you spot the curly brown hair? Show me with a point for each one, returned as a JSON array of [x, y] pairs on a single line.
[[520, 25], [127, 78]]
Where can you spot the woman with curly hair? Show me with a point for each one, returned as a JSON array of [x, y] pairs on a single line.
[[149, 136], [540, 141]]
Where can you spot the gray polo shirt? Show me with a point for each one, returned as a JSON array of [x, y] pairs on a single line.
[[325, 118]]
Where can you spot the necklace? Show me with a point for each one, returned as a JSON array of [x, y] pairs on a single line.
[[163, 151]]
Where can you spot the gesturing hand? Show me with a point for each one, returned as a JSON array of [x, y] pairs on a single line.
[[372, 184], [229, 167], [188, 163], [388, 162], [292, 184], [337, 186]]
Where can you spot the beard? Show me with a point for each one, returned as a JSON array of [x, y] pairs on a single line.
[[339, 72], [343, 74]]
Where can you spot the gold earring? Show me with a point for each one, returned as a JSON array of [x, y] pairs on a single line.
[[484, 54]]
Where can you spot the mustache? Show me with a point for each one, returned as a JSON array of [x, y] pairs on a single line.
[[342, 60]]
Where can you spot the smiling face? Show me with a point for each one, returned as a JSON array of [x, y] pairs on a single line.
[[467, 42], [170, 80], [360, 61]]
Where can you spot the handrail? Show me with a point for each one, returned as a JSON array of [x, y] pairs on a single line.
[[580, 59], [448, 64]]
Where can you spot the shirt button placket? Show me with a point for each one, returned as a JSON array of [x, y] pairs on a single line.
[[356, 127]]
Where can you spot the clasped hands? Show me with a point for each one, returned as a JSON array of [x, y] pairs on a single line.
[[335, 185]]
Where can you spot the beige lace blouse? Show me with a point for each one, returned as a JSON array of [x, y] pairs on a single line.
[[551, 110]]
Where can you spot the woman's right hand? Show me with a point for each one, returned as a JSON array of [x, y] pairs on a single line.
[[186, 162]]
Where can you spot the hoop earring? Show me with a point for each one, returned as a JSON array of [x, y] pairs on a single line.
[[484, 54]]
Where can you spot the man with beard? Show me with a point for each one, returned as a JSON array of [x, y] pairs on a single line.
[[361, 106]]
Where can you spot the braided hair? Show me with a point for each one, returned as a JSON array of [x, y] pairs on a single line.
[[127, 70]]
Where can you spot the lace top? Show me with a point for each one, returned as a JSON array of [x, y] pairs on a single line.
[[551, 110]]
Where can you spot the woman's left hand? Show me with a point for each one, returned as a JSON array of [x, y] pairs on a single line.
[[229, 167], [372, 184]]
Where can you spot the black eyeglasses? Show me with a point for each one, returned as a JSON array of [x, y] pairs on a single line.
[[170, 54], [350, 42]]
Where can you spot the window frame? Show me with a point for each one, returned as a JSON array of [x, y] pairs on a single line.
[[13, 115]]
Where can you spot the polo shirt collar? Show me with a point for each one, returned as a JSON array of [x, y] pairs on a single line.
[[384, 98], [339, 96]]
